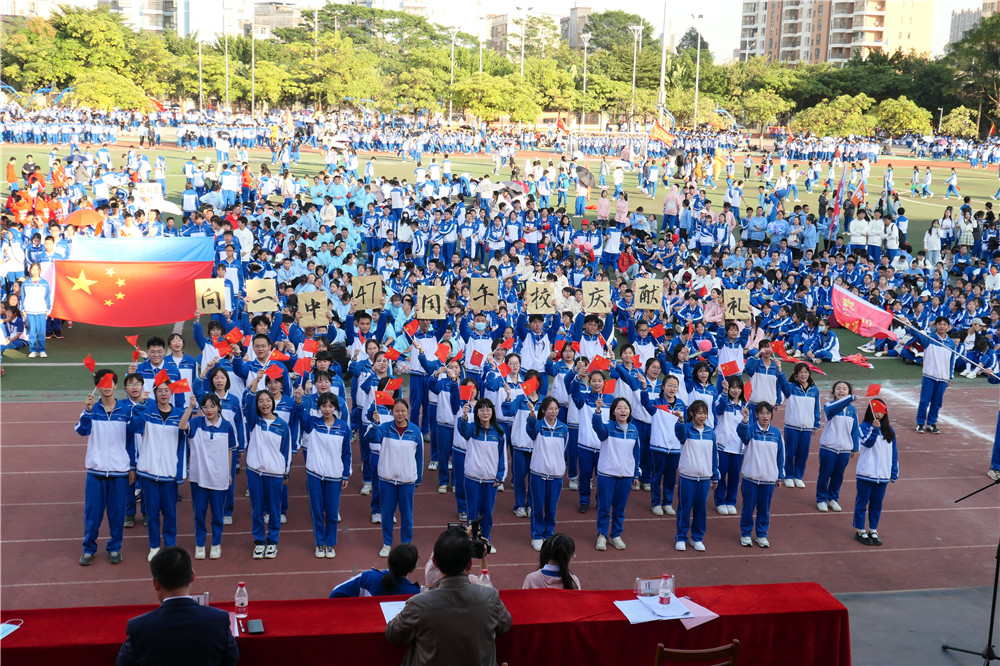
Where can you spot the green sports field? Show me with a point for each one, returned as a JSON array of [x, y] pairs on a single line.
[[62, 377]]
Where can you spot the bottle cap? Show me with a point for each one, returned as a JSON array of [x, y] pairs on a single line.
[[485, 571], [241, 584]]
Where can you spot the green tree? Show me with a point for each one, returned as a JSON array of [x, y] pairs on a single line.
[[976, 58], [610, 30], [901, 116], [105, 89], [541, 36], [959, 122], [485, 96], [761, 107], [844, 115], [689, 42]]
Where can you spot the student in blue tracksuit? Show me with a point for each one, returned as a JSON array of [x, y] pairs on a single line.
[[518, 407], [878, 466], [374, 583], [994, 470], [698, 468], [218, 383], [485, 463], [36, 303], [763, 467], [938, 369], [549, 438], [588, 443], [765, 376], [617, 466], [110, 464], [400, 470], [664, 448], [728, 409], [161, 463], [839, 443], [268, 461], [210, 438], [802, 417], [328, 465]]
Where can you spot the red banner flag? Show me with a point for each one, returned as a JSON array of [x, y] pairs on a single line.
[[599, 363], [508, 344], [658, 331], [730, 368], [303, 366], [659, 133], [107, 382], [132, 340], [466, 391], [310, 346], [529, 386], [873, 390], [504, 370], [223, 347], [234, 336], [411, 327], [89, 363], [476, 359], [280, 356], [860, 316], [442, 353], [181, 386], [858, 360], [274, 371], [394, 384]]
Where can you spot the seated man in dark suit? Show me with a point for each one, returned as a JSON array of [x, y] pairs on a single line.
[[454, 622], [179, 631]]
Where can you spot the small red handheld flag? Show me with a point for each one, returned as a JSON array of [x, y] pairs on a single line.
[[392, 353], [609, 386], [442, 353], [600, 338], [599, 363], [458, 356], [181, 386], [247, 340], [466, 391], [576, 346], [394, 384], [132, 340], [878, 407], [384, 398], [476, 359], [508, 343], [658, 331], [235, 335], [559, 345], [223, 347], [89, 363], [747, 390], [161, 378], [873, 390], [310, 346], [730, 368], [411, 327], [303, 366], [529, 386], [504, 370], [107, 382], [637, 362], [135, 355], [279, 356], [814, 368], [274, 371]]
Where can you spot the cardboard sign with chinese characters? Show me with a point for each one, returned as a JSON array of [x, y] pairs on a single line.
[[262, 295], [648, 294], [596, 297], [737, 304], [539, 298], [210, 295], [312, 305], [484, 294], [432, 302]]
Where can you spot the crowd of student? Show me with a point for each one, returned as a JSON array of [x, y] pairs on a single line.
[[502, 396]]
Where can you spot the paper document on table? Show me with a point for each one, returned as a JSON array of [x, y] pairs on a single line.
[[233, 625], [672, 611], [699, 615], [635, 612], [391, 609]]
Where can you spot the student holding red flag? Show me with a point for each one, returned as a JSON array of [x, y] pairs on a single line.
[[839, 442], [517, 408], [375, 383], [400, 470], [801, 419], [268, 461], [275, 378], [878, 466], [666, 411], [585, 397], [549, 440], [728, 410], [503, 379], [161, 462], [617, 466], [110, 464], [561, 367], [155, 363], [217, 383], [485, 462]]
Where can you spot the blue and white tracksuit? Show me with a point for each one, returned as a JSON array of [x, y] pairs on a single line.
[[400, 471], [801, 419], [763, 467], [268, 461], [840, 437], [728, 418], [161, 465], [522, 444], [547, 467], [878, 465], [485, 468], [938, 368], [327, 467], [617, 465], [664, 447], [698, 467], [211, 446]]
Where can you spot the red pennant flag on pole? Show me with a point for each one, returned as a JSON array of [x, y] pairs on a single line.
[[747, 390], [135, 355], [508, 344], [89, 363], [223, 347], [637, 362], [529, 386], [442, 353], [411, 327], [476, 359], [558, 346], [504, 370], [161, 378], [280, 356], [182, 386], [106, 382], [658, 331], [132, 340], [730, 368], [274, 372]]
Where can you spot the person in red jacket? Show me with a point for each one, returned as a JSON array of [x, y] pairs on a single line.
[[627, 263]]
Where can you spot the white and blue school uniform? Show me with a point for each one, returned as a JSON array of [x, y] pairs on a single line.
[[763, 467], [517, 409], [664, 447], [268, 461], [878, 465], [485, 468], [459, 449], [840, 437], [161, 465], [938, 370], [327, 467], [374, 446], [400, 471], [448, 406], [765, 380], [558, 389], [588, 443], [730, 447], [369, 584], [801, 419], [211, 446], [617, 465], [110, 457], [547, 467], [698, 467]]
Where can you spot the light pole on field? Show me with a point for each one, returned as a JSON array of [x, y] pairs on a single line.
[[697, 69], [454, 33], [636, 31], [585, 38], [524, 25]]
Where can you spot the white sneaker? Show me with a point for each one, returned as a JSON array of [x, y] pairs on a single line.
[[33, 355], [763, 542], [602, 542], [698, 546], [493, 550], [746, 542], [271, 551], [258, 551], [385, 551], [376, 518], [732, 510], [227, 520], [647, 487], [215, 553], [834, 506], [366, 489], [537, 544], [330, 552], [320, 552], [284, 519], [520, 512], [722, 510], [267, 518], [199, 552], [657, 510], [994, 474], [574, 484], [152, 554], [680, 545], [799, 483], [789, 483], [432, 465], [822, 506], [43, 355], [500, 488], [443, 489], [618, 543], [669, 510]]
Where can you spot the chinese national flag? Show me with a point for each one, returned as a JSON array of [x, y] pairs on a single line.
[[476, 359], [730, 368], [466, 391], [223, 347], [637, 362], [529, 386], [747, 390], [508, 344], [559, 345], [280, 356], [234, 336], [458, 356], [442, 353], [135, 355], [89, 363], [274, 371], [575, 346], [658, 331], [392, 353], [394, 384], [310, 346], [599, 363], [504, 370], [609, 386], [878, 407], [411, 327], [132, 340], [303, 366], [384, 398], [561, 126], [107, 382], [658, 133], [181, 386], [873, 390], [161, 378]]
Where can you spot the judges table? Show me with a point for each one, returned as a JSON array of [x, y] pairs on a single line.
[[776, 624]]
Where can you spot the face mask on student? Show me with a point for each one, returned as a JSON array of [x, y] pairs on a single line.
[[480, 326]]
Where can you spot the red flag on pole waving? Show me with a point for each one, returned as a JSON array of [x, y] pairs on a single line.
[[860, 316]]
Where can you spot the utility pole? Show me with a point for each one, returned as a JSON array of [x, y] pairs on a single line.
[[636, 31], [585, 38], [201, 105], [697, 70], [524, 24], [661, 99], [451, 85]]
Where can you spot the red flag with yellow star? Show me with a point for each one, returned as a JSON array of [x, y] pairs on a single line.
[[130, 282]]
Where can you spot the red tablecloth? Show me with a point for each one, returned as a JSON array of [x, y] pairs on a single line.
[[776, 624]]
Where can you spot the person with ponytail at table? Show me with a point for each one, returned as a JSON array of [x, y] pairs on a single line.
[[553, 560]]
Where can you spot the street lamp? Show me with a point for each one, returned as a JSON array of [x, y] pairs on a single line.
[[636, 31], [585, 38], [940, 117], [524, 23], [227, 70], [697, 69], [454, 33], [200, 95], [662, 97]]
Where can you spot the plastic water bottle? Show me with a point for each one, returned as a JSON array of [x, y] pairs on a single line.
[[666, 588], [242, 601], [484, 578]]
